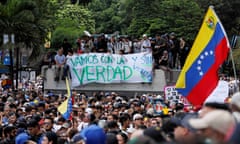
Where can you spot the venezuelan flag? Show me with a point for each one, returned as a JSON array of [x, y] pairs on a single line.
[[66, 107], [199, 76]]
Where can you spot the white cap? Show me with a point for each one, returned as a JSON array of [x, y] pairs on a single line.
[[89, 110], [159, 97], [137, 116], [144, 35], [219, 120], [75, 106]]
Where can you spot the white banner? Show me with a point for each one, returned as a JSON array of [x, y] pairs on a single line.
[[110, 68], [220, 93]]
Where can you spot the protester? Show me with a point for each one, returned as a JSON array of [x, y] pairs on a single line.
[[78, 139], [49, 138], [94, 134], [122, 138], [111, 138], [210, 106], [137, 121], [163, 63], [216, 125], [60, 60], [112, 117], [155, 133], [48, 124], [66, 72], [174, 49], [34, 130], [32, 116], [183, 51], [183, 132], [66, 46], [145, 44]]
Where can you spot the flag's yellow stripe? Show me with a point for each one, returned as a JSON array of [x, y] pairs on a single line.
[[63, 107], [204, 36]]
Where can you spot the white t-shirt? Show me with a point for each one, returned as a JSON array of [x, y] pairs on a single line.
[[146, 43]]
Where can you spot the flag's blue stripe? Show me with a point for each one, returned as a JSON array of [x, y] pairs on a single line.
[[192, 75], [67, 114]]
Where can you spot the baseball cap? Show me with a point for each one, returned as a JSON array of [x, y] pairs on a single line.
[[89, 110], [10, 100], [184, 121], [219, 120], [172, 34], [217, 105], [94, 135], [137, 116], [76, 138], [236, 99], [75, 106], [66, 125], [50, 94], [144, 35]]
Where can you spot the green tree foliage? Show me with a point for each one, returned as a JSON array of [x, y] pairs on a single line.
[[105, 13], [164, 16], [142, 13], [135, 17], [182, 17], [126, 15], [28, 21], [32, 20], [228, 12], [71, 21], [77, 17]]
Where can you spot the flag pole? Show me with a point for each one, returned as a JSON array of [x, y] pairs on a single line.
[[209, 50], [234, 68], [231, 57]]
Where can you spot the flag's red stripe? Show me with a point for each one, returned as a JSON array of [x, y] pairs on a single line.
[[209, 81], [73, 101]]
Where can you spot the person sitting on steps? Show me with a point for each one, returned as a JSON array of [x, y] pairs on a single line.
[[60, 60]]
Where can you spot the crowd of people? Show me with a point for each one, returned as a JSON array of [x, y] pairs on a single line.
[[31, 116], [169, 52]]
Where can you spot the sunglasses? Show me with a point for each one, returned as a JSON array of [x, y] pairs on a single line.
[[139, 119]]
